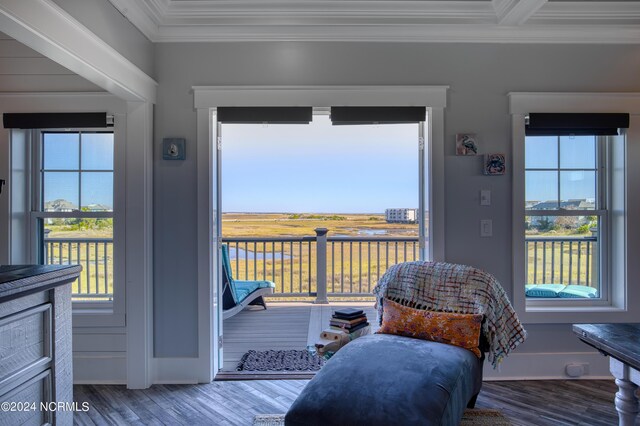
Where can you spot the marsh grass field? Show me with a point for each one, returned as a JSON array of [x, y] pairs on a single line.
[[353, 267], [303, 224]]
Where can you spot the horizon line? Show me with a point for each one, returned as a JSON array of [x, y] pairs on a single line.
[[309, 212]]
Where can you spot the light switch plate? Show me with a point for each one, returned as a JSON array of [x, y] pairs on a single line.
[[485, 197], [173, 149], [486, 228]]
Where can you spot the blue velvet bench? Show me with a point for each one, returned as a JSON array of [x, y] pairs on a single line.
[[384, 379]]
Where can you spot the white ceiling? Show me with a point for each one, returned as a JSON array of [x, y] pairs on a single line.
[[482, 21]]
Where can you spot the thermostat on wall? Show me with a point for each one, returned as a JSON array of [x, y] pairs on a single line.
[[173, 148]]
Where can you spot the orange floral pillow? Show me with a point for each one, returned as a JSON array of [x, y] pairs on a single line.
[[445, 327]]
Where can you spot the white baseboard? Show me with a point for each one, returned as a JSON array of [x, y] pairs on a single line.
[[548, 366], [99, 368], [110, 368], [175, 371]]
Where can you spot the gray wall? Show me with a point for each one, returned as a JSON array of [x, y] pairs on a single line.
[[480, 76], [102, 18]]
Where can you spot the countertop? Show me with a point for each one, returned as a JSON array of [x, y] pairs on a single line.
[[20, 280]]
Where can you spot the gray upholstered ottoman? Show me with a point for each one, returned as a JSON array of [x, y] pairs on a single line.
[[387, 380]]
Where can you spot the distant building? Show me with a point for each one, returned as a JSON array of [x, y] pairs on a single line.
[[578, 204], [401, 215], [98, 208], [59, 205]]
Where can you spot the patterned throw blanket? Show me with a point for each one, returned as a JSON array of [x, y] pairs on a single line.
[[448, 287]]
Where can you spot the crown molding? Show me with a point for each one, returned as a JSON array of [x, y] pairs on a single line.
[[495, 21], [614, 12], [518, 13], [204, 10], [145, 18], [501, 7], [416, 34]]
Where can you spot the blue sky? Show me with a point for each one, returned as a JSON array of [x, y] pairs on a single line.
[[64, 151], [319, 168], [577, 154]]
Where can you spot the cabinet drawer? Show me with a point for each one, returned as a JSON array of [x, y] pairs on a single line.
[[25, 344], [24, 400]]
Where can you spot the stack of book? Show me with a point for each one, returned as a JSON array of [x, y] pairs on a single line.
[[348, 320]]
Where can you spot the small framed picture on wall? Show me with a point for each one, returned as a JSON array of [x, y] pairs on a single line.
[[494, 164], [466, 144]]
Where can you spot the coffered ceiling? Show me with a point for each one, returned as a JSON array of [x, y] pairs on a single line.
[[481, 21]]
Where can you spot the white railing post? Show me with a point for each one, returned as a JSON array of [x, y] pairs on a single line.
[[321, 265]]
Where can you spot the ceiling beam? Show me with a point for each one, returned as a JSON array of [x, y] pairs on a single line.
[[516, 12], [46, 28]]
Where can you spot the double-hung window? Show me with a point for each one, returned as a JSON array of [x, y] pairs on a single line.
[[73, 199], [570, 228], [67, 203], [566, 216]]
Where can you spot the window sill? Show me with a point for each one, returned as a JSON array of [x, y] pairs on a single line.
[[96, 315], [575, 314], [77, 310]]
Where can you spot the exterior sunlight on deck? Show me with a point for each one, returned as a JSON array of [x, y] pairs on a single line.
[[284, 325]]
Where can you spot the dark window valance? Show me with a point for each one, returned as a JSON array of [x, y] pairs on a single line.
[[55, 120], [562, 124], [377, 115], [273, 115]]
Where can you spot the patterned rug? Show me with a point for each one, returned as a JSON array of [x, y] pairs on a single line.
[[474, 417], [289, 360]]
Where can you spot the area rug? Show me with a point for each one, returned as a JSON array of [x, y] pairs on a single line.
[[480, 417], [289, 360], [474, 417]]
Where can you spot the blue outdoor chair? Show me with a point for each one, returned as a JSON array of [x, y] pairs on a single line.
[[237, 295]]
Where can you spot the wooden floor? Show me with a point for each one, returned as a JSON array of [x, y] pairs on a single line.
[[284, 325], [539, 403], [295, 326]]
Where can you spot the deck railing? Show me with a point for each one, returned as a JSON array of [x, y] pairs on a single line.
[[317, 266], [562, 260], [96, 257], [320, 266]]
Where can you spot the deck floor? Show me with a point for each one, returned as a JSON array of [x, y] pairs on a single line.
[[283, 325]]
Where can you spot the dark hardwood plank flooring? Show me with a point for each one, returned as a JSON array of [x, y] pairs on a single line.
[[538, 403]]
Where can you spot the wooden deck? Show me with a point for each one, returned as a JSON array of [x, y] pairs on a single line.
[[284, 325]]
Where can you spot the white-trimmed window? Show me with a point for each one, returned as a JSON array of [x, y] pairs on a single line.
[[566, 217], [68, 198], [73, 199], [570, 207]]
